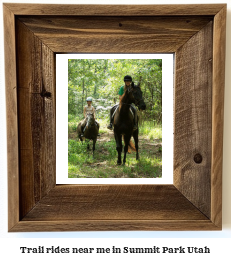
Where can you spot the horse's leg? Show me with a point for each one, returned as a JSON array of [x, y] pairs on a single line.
[[135, 136], [94, 141], [118, 140], [88, 143], [126, 143]]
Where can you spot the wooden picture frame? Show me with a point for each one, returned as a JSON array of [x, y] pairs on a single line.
[[33, 34]]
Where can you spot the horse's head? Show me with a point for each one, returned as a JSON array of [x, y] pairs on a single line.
[[136, 96], [90, 119]]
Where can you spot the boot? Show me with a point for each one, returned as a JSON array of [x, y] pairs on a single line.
[[83, 129], [97, 125], [110, 126], [135, 127]]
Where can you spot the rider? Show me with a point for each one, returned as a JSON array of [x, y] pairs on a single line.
[[88, 109], [127, 83]]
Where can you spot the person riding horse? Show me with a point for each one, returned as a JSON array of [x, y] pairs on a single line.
[[87, 109], [127, 81]]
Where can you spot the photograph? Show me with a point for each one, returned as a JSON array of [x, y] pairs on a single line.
[[114, 118]]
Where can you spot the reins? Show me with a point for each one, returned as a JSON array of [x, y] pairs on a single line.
[[126, 103], [136, 102], [87, 123]]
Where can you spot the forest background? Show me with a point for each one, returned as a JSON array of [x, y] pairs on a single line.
[[101, 79]]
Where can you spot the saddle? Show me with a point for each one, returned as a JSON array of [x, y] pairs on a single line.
[[83, 125], [117, 106]]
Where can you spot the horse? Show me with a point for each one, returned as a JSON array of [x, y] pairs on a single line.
[[91, 130], [123, 120]]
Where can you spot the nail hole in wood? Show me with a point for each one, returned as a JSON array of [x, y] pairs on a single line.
[[198, 158], [46, 95]]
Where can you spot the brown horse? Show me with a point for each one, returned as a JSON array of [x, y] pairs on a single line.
[[91, 130], [123, 120]]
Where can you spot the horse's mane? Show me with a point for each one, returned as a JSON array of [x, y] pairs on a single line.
[[125, 89], [120, 104], [90, 113]]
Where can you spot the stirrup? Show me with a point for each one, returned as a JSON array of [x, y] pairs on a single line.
[[135, 127]]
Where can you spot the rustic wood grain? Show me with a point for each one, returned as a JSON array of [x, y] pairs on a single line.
[[193, 126], [115, 10], [29, 185], [114, 225], [11, 116], [114, 207], [113, 202], [35, 66], [194, 201], [115, 25], [89, 34], [218, 114]]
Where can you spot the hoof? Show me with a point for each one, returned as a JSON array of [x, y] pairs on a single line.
[[119, 163]]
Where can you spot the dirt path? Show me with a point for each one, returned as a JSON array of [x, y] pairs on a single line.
[[153, 147]]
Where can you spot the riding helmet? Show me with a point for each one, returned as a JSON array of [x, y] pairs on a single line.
[[128, 78], [89, 99]]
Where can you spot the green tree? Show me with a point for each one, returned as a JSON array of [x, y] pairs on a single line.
[[102, 78]]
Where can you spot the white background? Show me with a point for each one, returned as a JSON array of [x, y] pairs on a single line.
[[62, 119], [219, 241]]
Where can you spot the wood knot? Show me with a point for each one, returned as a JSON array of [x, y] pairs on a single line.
[[198, 158], [46, 94], [120, 25]]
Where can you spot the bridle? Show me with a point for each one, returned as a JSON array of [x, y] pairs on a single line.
[[130, 89], [89, 118]]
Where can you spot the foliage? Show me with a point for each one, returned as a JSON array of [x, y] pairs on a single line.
[[102, 78], [151, 132]]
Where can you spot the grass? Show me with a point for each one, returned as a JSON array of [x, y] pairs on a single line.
[[150, 131], [81, 163]]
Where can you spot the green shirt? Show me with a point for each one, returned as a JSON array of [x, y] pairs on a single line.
[[121, 91]]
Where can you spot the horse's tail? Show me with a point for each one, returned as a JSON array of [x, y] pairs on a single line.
[[131, 146]]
